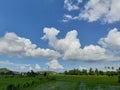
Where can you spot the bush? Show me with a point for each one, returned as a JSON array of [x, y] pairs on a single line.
[[32, 83], [11, 87], [24, 85], [119, 78], [18, 86], [52, 78], [27, 84]]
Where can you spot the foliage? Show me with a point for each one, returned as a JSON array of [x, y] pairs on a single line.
[[118, 74], [92, 72], [74, 78], [11, 87], [31, 74]]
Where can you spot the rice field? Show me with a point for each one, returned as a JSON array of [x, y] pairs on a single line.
[[61, 82]]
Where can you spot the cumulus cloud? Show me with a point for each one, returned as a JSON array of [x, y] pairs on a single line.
[[54, 64], [70, 46], [111, 40], [95, 10], [106, 11], [13, 45], [112, 43], [72, 4], [91, 52], [62, 44]]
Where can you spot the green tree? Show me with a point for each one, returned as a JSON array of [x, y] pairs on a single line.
[[112, 68], [91, 72], [84, 72], [96, 72], [73, 72], [118, 72], [65, 72], [108, 67], [31, 74], [11, 87], [101, 72]]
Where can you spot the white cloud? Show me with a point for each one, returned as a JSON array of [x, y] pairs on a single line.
[[68, 17], [37, 67], [14, 66], [72, 4], [19, 67], [13, 45], [54, 64], [88, 53], [112, 39], [95, 9], [106, 11], [62, 44], [70, 42], [70, 46], [112, 43]]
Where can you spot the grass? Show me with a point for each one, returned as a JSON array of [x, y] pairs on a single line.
[[21, 81], [92, 82], [62, 82]]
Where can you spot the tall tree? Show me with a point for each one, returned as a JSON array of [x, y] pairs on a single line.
[[112, 68], [96, 71], [91, 71], [118, 71]]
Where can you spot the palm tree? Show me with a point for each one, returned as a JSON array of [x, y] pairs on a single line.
[[112, 68], [108, 67], [105, 67]]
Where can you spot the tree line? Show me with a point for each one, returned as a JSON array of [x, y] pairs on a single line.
[[92, 72]]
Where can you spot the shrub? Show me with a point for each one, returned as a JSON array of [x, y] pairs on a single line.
[[119, 78], [32, 83], [18, 87], [24, 85], [52, 78], [11, 87], [27, 84]]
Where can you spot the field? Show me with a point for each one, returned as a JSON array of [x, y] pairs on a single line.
[[61, 82]]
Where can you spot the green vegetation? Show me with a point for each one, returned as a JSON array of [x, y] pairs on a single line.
[[5, 70], [69, 80], [59, 82], [92, 72]]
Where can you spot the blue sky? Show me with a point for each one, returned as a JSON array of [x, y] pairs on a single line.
[[59, 34]]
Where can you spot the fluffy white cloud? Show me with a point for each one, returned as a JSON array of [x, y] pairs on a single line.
[[70, 46], [70, 42], [37, 67], [111, 40], [112, 43], [104, 10], [13, 45], [50, 33], [54, 64], [95, 9], [91, 52], [72, 4]]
